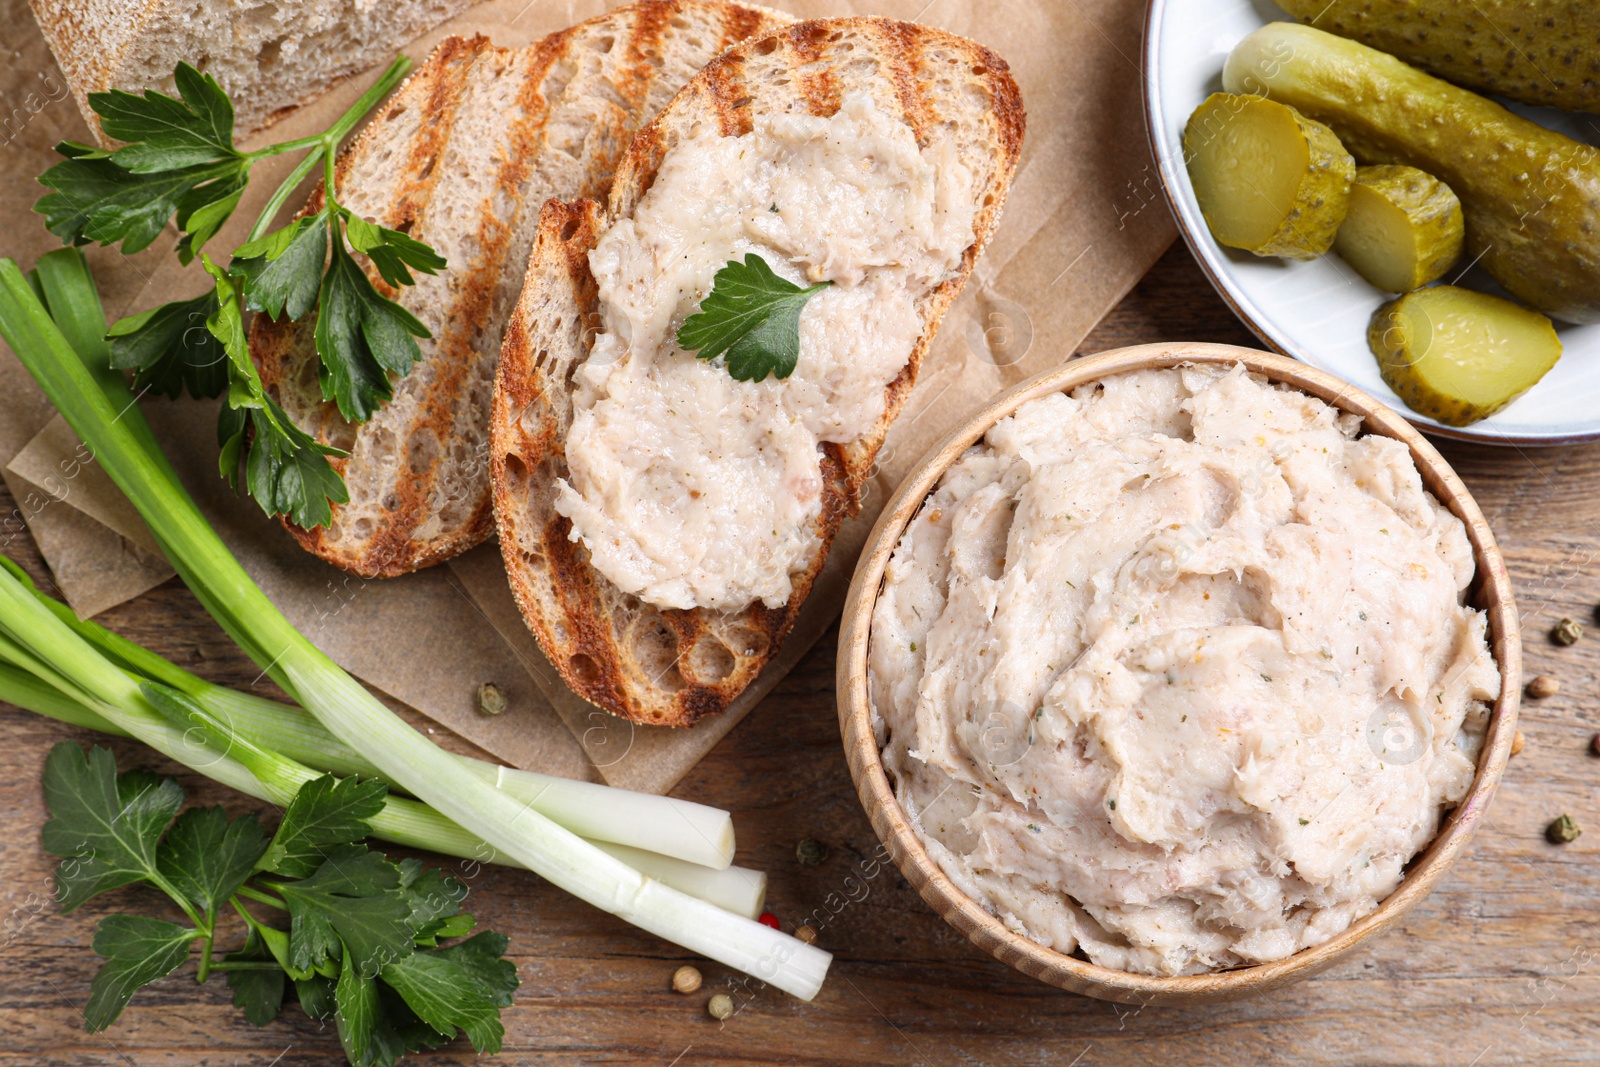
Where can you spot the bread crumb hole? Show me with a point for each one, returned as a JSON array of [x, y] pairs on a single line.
[[585, 669], [709, 661]]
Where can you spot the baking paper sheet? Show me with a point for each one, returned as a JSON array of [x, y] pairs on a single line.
[[1083, 223]]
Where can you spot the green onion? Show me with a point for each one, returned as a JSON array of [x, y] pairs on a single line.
[[105, 417], [695, 833], [35, 646]]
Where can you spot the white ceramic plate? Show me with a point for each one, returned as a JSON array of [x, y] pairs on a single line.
[[1318, 312]]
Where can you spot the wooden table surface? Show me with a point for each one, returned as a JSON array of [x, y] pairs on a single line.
[[1501, 965]]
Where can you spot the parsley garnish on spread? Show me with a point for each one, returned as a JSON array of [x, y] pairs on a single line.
[[362, 944], [753, 316], [179, 162]]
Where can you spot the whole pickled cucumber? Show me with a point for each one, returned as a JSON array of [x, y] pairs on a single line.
[[1544, 52], [1458, 356], [1403, 230], [1530, 195], [1268, 179]]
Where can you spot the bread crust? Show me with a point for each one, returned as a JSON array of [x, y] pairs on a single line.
[[462, 156], [671, 667]]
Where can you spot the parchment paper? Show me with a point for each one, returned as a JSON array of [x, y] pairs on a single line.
[[1083, 223]]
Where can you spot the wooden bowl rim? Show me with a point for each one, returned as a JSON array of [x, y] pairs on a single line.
[[1493, 595]]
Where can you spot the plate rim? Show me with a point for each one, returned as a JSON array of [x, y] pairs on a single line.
[[1207, 253]]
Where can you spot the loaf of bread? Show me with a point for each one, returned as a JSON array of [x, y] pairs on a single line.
[[268, 56], [463, 156], [670, 666]]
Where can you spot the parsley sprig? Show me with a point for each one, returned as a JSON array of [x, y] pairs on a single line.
[[179, 163], [753, 317], [363, 943]]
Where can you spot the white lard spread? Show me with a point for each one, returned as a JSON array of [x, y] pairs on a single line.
[[1177, 669], [688, 488]]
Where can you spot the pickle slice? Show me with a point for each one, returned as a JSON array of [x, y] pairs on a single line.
[[1404, 228], [1458, 356], [1269, 180]]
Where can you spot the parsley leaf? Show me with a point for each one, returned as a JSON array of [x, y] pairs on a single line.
[[447, 995], [169, 134], [207, 858], [753, 316], [284, 268], [286, 469], [353, 897], [391, 251], [96, 200], [257, 990], [138, 951], [362, 337], [327, 811], [361, 947], [435, 901], [108, 828], [171, 349], [181, 163]]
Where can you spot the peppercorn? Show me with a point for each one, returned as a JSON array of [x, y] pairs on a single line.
[[1567, 632], [1594, 744], [1543, 686], [766, 918], [806, 933], [685, 980], [1517, 742], [720, 1006], [1562, 830], [810, 852], [490, 700]]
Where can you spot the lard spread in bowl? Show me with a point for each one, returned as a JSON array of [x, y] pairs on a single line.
[[1177, 669]]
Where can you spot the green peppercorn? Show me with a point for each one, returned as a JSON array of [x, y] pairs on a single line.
[[720, 1006], [490, 700], [1562, 830], [1567, 632], [810, 852]]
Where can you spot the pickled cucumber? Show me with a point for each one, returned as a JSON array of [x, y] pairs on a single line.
[[1458, 356], [1543, 53], [1531, 197], [1403, 229], [1269, 180]]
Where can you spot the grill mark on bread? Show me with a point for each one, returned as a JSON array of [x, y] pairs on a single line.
[[739, 23], [729, 100], [420, 174], [819, 84], [644, 41], [466, 320], [564, 602]]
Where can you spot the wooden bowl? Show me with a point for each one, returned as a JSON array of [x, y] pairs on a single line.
[[1490, 591]]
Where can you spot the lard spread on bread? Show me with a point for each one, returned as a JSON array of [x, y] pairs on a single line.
[[691, 489]]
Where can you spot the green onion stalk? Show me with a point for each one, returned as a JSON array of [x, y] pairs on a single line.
[[695, 833], [216, 729], [100, 408]]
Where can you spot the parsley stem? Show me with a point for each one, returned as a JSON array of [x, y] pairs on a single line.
[[282, 194], [209, 933], [252, 893], [326, 145]]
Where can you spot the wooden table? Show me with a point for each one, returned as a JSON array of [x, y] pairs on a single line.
[[1501, 965]]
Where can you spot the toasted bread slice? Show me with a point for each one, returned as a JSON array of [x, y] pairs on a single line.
[[462, 157], [671, 667]]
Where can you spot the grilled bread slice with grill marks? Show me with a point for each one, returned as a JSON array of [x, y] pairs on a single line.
[[673, 666], [462, 157]]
